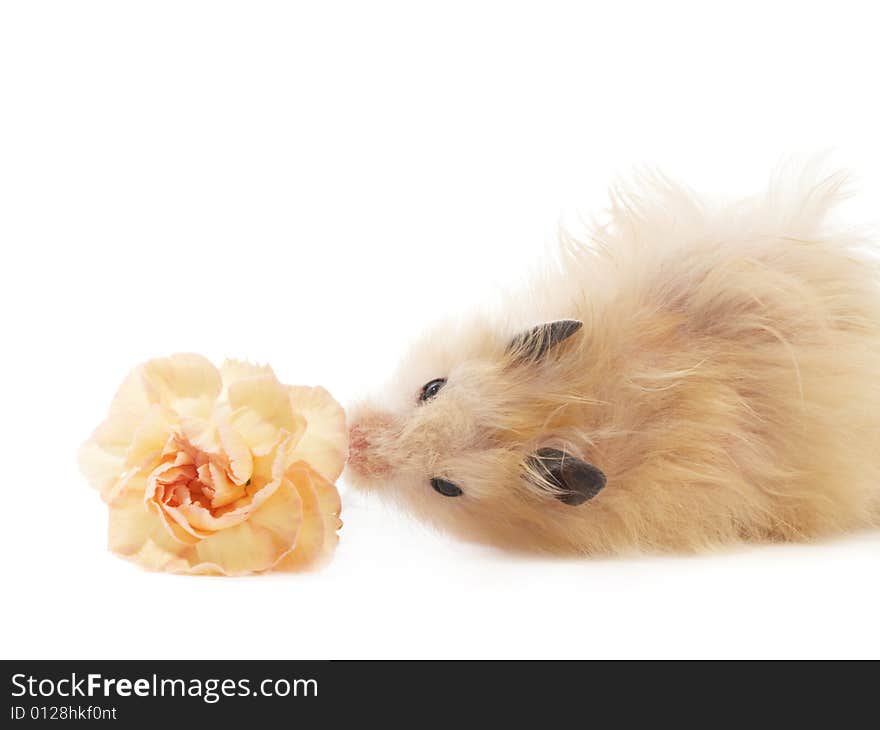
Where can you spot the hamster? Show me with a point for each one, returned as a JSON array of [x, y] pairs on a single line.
[[691, 376]]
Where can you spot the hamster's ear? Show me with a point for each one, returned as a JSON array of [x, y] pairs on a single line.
[[576, 480], [533, 344]]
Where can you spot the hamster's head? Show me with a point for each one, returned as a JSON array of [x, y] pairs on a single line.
[[479, 433]]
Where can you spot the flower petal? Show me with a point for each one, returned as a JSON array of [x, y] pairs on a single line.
[[329, 501], [226, 492], [137, 533], [233, 370], [200, 434], [102, 459], [149, 439], [131, 399], [255, 545], [260, 410], [241, 461], [101, 468], [317, 537], [324, 445], [196, 520], [186, 383]]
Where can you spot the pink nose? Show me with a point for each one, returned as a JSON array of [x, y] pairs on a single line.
[[358, 443], [363, 455]]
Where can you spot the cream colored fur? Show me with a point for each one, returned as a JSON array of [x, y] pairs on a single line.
[[726, 380]]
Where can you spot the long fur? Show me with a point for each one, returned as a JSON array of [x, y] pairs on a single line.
[[725, 380]]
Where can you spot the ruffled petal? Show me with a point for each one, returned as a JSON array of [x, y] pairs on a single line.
[[324, 444], [131, 399], [233, 370], [102, 459], [226, 492], [261, 412], [101, 468], [241, 461], [149, 439], [201, 435], [136, 532], [317, 537], [257, 544], [198, 521], [186, 383]]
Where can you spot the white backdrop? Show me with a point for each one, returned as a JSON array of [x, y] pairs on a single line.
[[310, 184]]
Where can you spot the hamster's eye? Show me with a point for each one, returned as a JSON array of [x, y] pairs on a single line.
[[431, 389], [447, 489]]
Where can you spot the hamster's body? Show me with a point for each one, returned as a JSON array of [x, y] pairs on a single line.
[[724, 387]]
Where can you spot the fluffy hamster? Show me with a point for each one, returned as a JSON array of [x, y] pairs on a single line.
[[691, 376]]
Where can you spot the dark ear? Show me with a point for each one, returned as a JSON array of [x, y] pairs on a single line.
[[533, 344], [577, 480]]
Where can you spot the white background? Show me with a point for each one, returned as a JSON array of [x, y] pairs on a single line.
[[310, 184]]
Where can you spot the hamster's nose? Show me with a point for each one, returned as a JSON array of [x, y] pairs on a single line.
[[358, 442], [363, 455]]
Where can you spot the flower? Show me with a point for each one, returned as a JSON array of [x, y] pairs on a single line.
[[218, 471]]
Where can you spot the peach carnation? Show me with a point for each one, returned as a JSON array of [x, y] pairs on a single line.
[[218, 471]]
